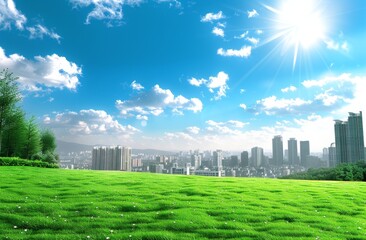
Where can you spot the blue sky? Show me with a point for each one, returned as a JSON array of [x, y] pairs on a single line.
[[180, 75]]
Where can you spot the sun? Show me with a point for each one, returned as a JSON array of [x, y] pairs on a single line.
[[298, 24]]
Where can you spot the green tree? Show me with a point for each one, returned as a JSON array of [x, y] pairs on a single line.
[[14, 134], [48, 141], [9, 97], [32, 143]]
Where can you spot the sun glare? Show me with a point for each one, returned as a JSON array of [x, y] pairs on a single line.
[[298, 24]]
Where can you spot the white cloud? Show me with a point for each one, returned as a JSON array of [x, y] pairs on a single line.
[[243, 106], [242, 91], [243, 35], [87, 122], [245, 51], [252, 40], [289, 89], [221, 25], [337, 46], [193, 130], [252, 13], [90, 127], [259, 32], [209, 17], [197, 82], [110, 10], [39, 31], [142, 117], [155, 101], [344, 88], [136, 86], [327, 94], [229, 127], [272, 105], [218, 31], [9, 15], [213, 83], [51, 71], [172, 3], [343, 78]]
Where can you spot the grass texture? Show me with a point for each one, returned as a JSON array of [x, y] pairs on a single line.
[[37, 203]]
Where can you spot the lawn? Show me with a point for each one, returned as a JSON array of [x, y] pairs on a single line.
[[37, 203]]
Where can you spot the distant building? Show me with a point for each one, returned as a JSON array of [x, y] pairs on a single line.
[[304, 152], [332, 159], [217, 159], [293, 156], [196, 160], [257, 156], [244, 159], [111, 158], [349, 139], [355, 139], [340, 130], [234, 162], [277, 151], [206, 172]]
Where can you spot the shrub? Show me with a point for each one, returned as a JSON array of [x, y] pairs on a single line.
[[14, 161]]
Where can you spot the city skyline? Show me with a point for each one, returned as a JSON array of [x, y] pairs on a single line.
[[179, 75]]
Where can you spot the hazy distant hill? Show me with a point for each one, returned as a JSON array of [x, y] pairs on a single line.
[[66, 147]]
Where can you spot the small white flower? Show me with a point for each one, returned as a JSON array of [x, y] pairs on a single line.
[[15, 227]]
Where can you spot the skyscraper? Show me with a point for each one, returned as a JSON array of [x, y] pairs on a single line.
[[304, 152], [277, 150], [111, 158], [244, 159], [332, 156], [355, 141], [340, 131], [217, 159], [349, 140], [257, 156], [293, 156]]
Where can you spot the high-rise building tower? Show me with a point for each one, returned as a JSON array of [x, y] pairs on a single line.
[[217, 159], [244, 159], [304, 152], [293, 157], [277, 150], [257, 156], [340, 130], [111, 158], [355, 141], [332, 156]]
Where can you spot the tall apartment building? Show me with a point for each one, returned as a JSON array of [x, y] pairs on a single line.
[[304, 152], [355, 139], [293, 157], [257, 156], [244, 159], [111, 158], [277, 151], [217, 159], [349, 140]]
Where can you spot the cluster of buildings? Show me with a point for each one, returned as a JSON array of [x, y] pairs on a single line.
[[349, 142], [111, 158], [347, 148]]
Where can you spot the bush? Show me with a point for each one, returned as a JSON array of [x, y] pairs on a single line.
[[343, 172], [14, 161]]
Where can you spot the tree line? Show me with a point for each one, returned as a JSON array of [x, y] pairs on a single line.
[[19, 136], [342, 172]]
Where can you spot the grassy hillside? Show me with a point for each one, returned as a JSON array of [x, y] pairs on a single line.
[[40, 203]]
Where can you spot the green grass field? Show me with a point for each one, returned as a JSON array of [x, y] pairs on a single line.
[[38, 203]]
